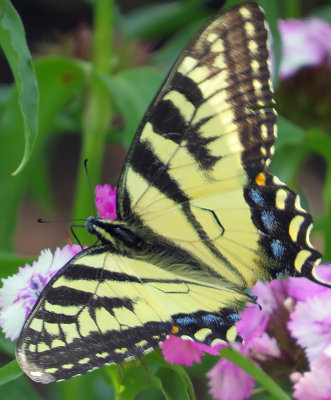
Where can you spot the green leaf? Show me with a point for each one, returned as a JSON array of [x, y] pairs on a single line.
[[173, 384], [21, 388], [136, 380], [290, 152], [289, 133], [13, 43], [60, 80], [132, 91], [10, 372]]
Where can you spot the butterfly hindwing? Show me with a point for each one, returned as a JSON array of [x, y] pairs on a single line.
[[104, 308]]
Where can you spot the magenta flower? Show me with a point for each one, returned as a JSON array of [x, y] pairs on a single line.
[[306, 42], [19, 292], [179, 351], [105, 200]]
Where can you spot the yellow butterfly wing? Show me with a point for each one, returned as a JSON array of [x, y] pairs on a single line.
[[104, 308], [196, 172]]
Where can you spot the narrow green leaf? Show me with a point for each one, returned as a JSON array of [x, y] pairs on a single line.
[[10, 372], [253, 370], [13, 43], [98, 111]]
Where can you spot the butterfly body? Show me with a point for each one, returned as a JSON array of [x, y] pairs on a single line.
[[200, 219]]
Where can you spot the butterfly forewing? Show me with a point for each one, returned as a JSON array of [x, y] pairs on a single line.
[[198, 161]]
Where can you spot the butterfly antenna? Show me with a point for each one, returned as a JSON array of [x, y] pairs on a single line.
[[74, 234], [48, 221], [90, 186]]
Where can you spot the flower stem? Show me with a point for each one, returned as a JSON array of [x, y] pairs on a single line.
[[253, 370], [97, 112]]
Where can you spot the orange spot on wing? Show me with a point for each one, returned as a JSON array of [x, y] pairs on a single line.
[[260, 179], [174, 330]]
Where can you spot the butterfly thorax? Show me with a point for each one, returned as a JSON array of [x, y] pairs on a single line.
[[113, 232]]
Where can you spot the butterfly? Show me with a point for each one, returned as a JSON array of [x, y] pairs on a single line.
[[200, 220]]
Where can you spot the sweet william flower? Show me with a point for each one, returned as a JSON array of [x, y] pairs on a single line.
[[20, 292], [305, 42], [310, 324], [184, 352], [105, 200], [229, 382]]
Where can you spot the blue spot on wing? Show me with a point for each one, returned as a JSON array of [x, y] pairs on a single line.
[[234, 317], [186, 321], [256, 196], [269, 220], [278, 249], [211, 319]]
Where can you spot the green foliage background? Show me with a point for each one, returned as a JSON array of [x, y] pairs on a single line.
[[103, 98]]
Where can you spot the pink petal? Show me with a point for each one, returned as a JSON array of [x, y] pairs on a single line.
[[252, 324], [264, 347], [178, 351], [310, 324], [105, 200], [229, 382], [315, 384]]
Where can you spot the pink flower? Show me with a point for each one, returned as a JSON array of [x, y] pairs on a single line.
[[306, 42], [19, 292], [310, 324], [179, 351], [315, 384], [105, 200], [229, 382]]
